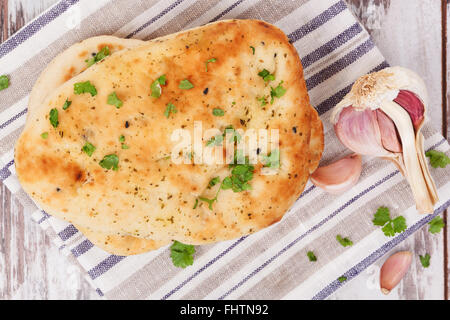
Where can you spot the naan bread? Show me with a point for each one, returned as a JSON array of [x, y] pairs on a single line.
[[108, 201]]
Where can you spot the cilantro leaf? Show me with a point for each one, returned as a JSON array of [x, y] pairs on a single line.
[[381, 217], [266, 75], [218, 112], [185, 85], [272, 160], [67, 104], [213, 182], [84, 87], [89, 148], [124, 146], [170, 108], [390, 226], [345, 242], [263, 100], [312, 257], [182, 254], [437, 159], [342, 279], [53, 116], [425, 260], [4, 82], [239, 179], [44, 135], [102, 54], [113, 100], [253, 49], [110, 161], [215, 141], [210, 60], [436, 225], [277, 92], [156, 86], [122, 138], [196, 204]]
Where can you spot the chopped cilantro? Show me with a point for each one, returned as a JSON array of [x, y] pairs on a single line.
[[156, 86], [4, 82], [218, 112], [84, 87], [213, 182], [170, 108], [241, 174], [185, 85], [390, 227], [122, 138], [437, 159], [124, 146], [215, 141], [253, 49], [210, 60], [102, 54], [196, 204], [436, 225], [67, 104], [235, 135], [89, 148], [53, 116], [266, 75], [273, 159], [342, 279], [345, 242], [425, 260], [113, 100], [182, 254], [277, 92], [263, 100], [110, 161], [44, 135], [312, 257]]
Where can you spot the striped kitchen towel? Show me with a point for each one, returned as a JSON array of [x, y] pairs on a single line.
[[271, 264]]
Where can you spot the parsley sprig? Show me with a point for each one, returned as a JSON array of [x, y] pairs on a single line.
[[102, 54], [156, 86], [425, 260], [4, 82], [390, 226], [182, 254], [437, 159], [436, 225]]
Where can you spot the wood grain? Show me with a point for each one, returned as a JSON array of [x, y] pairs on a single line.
[[408, 33]]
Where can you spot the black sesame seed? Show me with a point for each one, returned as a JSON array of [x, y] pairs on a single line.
[[127, 124], [258, 151], [58, 189], [206, 91], [294, 129]]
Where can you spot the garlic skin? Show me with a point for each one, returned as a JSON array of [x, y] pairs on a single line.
[[382, 116], [340, 176], [393, 270]]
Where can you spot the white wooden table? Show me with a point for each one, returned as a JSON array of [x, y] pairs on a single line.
[[410, 33]]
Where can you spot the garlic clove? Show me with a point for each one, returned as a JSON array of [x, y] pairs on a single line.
[[412, 104], [339, 176], [358, 130], [389, 134], [393, 270], [398, 98]]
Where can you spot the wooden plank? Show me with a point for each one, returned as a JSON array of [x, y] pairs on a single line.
[[30, 266], [408, 33]]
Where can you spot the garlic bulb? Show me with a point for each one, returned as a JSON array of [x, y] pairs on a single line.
[[382, 116], [339, 176], [393, 270]]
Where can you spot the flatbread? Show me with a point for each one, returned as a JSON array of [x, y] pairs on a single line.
[[64, 67], [151, 219]]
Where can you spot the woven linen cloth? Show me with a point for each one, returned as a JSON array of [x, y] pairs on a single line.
[[271, 264]]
